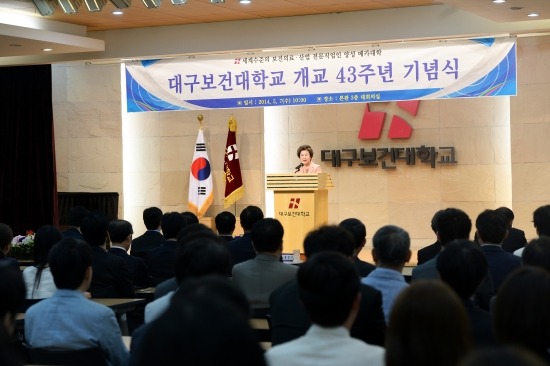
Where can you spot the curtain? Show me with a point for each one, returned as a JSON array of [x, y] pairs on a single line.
[[28, 189]]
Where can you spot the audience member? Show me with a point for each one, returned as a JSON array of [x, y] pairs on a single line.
[[241, 248], [111, 275], [186, 234], [521, 312], [330, 291], [190, 217], [206, 324], [120, 233], [391, 250], [38, 278], [492, 228], [152, 238], [68, 320], [541, 221], [428, 327], [359, 233], [225, 225], [502, 356], [537, 253], [258, 277], [430, 251], [160, 261], [462, 265], [6, 236], [76, 215], [451, 224], [289, 320], [203, 255], [12, 295], [516, 238]]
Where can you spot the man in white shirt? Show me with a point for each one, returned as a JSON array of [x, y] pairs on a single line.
[[329, 290]]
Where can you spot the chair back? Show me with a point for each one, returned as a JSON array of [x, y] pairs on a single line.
[[82, 357]]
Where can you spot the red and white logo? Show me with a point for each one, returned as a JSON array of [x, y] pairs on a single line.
[[373, 122], [294, 203]]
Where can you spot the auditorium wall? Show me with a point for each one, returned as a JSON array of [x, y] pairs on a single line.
[[500, 148]]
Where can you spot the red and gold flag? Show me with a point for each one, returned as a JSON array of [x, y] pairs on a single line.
[[234, 188]]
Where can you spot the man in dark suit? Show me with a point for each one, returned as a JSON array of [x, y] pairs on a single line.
[[152, 238], [492, 229], [76, 215], [111, 277], [241, 248], [120, 233], [516, 238], [427, 253], [462, 265], [225, 225], [289, 320], [160, 261], [359, 233]]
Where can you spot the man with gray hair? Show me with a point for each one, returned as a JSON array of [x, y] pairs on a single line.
[[391, 250]]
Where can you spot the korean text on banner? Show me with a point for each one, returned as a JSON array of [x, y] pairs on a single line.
[[234, 188], [200, 179]]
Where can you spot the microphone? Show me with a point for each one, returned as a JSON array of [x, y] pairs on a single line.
[[298, 167]]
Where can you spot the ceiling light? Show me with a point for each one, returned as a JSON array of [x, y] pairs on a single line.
[[245, 1], [95, 5], [118, 12], [151, 3], [499, 1], [44, 7], [179, 2], [121, 4], [69, 6], [217, 1], [47, 49], [533, 15]]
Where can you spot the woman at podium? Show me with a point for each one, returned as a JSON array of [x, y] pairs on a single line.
[[305, 153]]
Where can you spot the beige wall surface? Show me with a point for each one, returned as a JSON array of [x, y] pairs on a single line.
[[500, 148]]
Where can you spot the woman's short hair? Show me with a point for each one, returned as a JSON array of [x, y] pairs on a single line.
[[307, 148]]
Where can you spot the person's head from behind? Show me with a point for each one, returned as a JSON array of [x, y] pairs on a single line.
[[94, 228], [225, 223], [462, 265], [521, 312], [537, 253], [331, 238], [152, 217], [190, 217], [433, 223], [541, 220], [71, 264], [507, 213], [192, 231], [6, 236], [491, 226], [391, 247], [329, 289], [267, 236], [202, 256], [44, 240], [357, 230], [452, 223], [12, 295], [249, 216], [428, 326], [120, 233], [172, 223], [206, 324], [76, 215]]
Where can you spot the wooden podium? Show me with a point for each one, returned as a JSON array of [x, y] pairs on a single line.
[[301, 205]]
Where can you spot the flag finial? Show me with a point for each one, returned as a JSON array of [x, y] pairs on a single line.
[[200, 118]]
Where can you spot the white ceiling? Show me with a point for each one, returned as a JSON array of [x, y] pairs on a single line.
[[23, 32]]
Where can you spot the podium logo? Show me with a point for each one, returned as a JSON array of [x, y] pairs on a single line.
[[294, 203], [373, 122]]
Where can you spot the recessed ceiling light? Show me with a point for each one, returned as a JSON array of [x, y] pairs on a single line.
[[118, 12], [533, 15], [245, 1], [47, 49], [499, 1]]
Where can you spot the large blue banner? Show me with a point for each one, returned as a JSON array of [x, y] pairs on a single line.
[[347, 74]]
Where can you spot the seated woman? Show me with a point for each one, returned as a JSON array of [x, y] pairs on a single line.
[[38, 278]]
